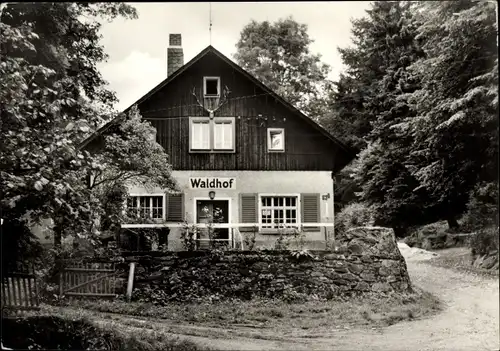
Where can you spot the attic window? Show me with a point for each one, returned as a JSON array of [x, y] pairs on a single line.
[[275, 139], [211, 86]]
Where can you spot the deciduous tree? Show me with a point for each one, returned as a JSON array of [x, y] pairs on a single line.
[[278, 55], [52, 97]]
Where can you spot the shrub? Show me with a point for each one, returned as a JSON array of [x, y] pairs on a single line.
[[485, 241], [249, 240], [354, 215], [482, 209], [53, 332]]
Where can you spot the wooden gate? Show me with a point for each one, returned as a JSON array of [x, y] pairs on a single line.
[[87, 279], [19, 291]]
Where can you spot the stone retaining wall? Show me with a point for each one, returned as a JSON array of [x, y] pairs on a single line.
[[366, 259]]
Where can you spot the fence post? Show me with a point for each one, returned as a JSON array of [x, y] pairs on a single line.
[[60, 278], [130, 283]]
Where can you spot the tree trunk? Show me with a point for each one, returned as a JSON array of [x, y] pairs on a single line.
[[452, 223], [58, 231], [400, 232]]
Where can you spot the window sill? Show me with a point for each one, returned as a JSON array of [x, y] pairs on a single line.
[[212, 151], [275, 232], [275, 151]]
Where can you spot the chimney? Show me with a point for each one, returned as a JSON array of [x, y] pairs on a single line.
[[175, 55]]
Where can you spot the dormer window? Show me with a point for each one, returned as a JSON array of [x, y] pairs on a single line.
[[211, 86]]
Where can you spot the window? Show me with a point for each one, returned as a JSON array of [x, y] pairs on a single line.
[[212, 135], [223, 135], [211, 86], [145, 206], [275, 139], [200, 135], [278, 211]]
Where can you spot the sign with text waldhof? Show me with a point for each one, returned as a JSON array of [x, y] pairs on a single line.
[[212, 183]]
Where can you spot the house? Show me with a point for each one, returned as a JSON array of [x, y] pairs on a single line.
[[243, 157]]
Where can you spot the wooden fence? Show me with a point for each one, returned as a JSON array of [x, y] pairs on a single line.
[[19, 291], [87, 279]]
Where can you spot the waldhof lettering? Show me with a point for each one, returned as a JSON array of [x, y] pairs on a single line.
[[215, 183]]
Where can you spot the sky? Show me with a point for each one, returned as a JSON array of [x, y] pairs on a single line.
[[137, 48]]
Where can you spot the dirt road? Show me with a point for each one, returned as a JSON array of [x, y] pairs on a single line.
[[470, 321]]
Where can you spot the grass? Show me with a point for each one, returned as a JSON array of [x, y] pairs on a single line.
[[459, 259], [105, 333], [368, 311]]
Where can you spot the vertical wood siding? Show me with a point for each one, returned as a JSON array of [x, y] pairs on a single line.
[[170, 108]]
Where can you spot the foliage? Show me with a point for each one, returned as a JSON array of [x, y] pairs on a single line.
[[289, 237], [371, 98], [421, 91], [127, 155], [354, 215], [52, 95], [249, 240], [345, 101], [112, 199], [19, 247], [383, 48], [278, 55], [454, 136], [54, 332], [190, 233], [188, 237], [482, 208], [485, 241]]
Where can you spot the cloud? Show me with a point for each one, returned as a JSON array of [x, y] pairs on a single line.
[[133, 77]]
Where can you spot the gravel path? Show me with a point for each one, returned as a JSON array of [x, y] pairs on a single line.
[[470, 321]]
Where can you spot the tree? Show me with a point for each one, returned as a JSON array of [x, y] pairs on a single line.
[[127, 154], [370, 97], [455, 143], [278, 55], [52, 97], [342, 119]]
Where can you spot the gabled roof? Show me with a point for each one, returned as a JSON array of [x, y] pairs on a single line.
[[351, 153]]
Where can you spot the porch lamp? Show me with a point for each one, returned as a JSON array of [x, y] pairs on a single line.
[[211, 195]]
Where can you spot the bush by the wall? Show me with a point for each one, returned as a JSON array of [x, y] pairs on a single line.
[[354, 215]]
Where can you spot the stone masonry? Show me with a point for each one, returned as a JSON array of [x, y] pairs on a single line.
[[366, 260]]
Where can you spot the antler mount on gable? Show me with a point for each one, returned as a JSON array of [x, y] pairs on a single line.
[[220, 103]]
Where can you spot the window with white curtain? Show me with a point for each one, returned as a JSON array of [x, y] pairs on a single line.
[[216, 134], [200, 135]]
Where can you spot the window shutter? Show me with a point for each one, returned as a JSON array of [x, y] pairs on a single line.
[[175, 207], [248, 211], [310, 207]]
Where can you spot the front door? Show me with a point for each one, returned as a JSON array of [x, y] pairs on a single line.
[[212, 212]]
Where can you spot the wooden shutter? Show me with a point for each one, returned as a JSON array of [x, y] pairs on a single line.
[[175, 207], [310, 208], [248, 210]]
